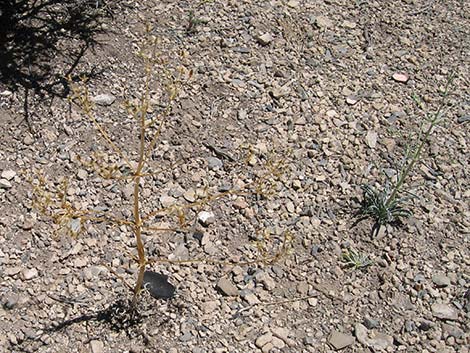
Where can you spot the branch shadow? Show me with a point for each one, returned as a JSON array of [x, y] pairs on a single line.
[[43, 41]]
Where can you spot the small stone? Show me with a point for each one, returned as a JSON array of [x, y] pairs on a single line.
[[8, 174], [190, 195], [293, 3], [278, 343], [249, 297], [349, 24], [441, 280], [444, 312], [5, 184], [206, 218], [410, 326], [103, 99], [214, 163], [378, 341], [371, 323], [28, 140], [97, 346], [80, 262], [352, 99], [264, 39], [283, 333], [262, 340], [278, 92], [227, 288], [29, 273], [209, 307], [400, 77], [323, 22], [167, 201], [340, 340], [82, 174], [453, 331], [10, 301], [425, 325], [371, 139]]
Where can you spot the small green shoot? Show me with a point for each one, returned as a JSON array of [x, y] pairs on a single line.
[[356, 260], [386, 206]]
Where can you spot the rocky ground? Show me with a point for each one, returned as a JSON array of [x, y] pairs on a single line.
[[330, 89]]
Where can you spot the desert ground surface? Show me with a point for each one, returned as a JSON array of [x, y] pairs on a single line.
[[268, 117]]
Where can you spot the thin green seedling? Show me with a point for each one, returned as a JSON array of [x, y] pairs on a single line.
[[387, 206]]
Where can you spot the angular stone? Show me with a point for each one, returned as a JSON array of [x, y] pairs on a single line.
[[5, 184], [103, 99], [29, 273], [206, 218], [227, 288], [441, 280], [340, 340], [167, 201], [8, 174], [444, 312], [265, 39]]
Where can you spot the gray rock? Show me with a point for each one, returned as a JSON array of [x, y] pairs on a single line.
[[441, 280], [371, 323], [426, 325], [227, 288], [378, 341], [103, 99], [452, 330], [214, 163], [444, 312], [340, 340]]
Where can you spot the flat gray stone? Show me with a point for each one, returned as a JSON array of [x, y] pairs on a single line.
[[441, 280], [227, 288], [340, 340], [444, 312]]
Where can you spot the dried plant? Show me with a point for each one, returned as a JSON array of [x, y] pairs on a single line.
[[52, 200]]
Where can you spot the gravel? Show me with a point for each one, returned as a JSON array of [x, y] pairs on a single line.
[[330, 90]]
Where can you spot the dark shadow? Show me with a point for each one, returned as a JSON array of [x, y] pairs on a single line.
[[43, 41], [120, 316]]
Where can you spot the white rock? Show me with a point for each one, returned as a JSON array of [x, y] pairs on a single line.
[[29, 273], [263, 339], [8, 174], [167, 201], [5, 184], [96, 346], [371, 138], [206, 218], [103, 99], [264, 39]]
